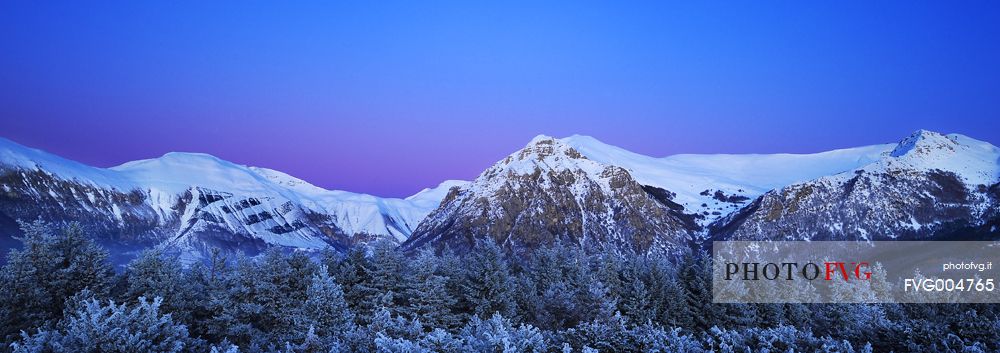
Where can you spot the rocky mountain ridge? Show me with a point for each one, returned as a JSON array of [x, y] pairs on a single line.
[[927, 186], [930, 186], [575, 190], [191, 203], [549, 192]]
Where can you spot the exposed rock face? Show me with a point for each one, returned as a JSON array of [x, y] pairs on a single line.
[[111, 215], [548, 191], [931, 186], [192, 203], [712, 186], [575, 190], [190, 223]]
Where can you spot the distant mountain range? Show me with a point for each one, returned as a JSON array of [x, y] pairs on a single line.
[[192, 202], [575, 190]]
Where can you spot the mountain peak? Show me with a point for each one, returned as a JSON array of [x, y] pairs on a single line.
[[539, 138], [924, 142], [189, 156], [181, 160], [548, 190], [543, 149], [976, 162], [178, 171]]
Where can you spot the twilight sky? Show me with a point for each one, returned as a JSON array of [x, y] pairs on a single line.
[[389, 97]]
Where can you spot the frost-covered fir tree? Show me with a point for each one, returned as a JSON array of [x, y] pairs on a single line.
[[653, 338], [325, 312], [263, 301], [385, 333], [353, 273], [51, 266], [389, 277], [635, 297], [500, 335], [225, 347], [607, 334], [111, 328], [441, 341], [429, 298], [564, 289], [487, 285], [695, 276], [311, 343], [154, 274], [208, 285]]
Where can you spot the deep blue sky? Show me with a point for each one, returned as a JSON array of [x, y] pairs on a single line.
[[389, 97]]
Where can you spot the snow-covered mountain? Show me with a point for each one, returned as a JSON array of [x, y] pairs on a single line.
[[193, 202], [582, 190], [928, 186], [574, 189], [548, 191], [714, 185]]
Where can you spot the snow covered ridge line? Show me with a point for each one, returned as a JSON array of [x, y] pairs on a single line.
[[194, 202], [930, 186], [575, 188], [709, 184], [578, 189]]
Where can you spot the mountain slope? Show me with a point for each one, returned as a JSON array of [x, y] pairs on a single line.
[[581, 190], [724, 183], [549, 192], [192, 202], [929, 186], [576, 189]]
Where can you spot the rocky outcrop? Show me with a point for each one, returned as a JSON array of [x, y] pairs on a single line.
[[549, 192], [931, 186], [191, 203]]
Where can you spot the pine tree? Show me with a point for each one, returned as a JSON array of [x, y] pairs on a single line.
[[500, 335], [695, 274], [325, 311], [389, 333], [566, 290], [312, 343], [388, 277], [652, 338], [659, 275], [208, 285], [487, 286], [557, 307], [636, 301], [262, 302], [441, 341], [610, 270], [607, 334], [302, 269], [451, 267], [51, 267], [225, 347], [674, 310], [353, 273], [429, 298], [154, 274], [387, 344], [111, 328]]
